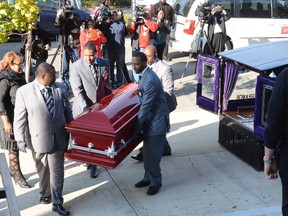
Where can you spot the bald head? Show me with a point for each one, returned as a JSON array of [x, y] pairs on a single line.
[[151, 54]]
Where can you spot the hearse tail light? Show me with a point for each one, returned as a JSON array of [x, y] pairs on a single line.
[[189, 27]]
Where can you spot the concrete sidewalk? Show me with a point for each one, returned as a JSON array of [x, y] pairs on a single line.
[[201, 178]]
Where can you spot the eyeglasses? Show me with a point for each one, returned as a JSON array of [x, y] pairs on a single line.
[[19, 65]]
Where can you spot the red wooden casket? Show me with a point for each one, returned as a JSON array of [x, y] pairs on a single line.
[[101, 135]]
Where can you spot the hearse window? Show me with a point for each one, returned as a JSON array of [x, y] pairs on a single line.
[[182, 7], [266, 95], [245, 85], [255, 8], [208, 72]]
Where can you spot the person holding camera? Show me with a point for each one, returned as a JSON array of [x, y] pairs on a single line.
[[169, 15], [217, 29], [144, 32], [115, 49], [162, 33], [69, 38], [40, 45]]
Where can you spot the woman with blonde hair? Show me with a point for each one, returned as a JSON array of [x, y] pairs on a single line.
[[11, 78]]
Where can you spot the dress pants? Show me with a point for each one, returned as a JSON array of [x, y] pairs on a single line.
[[152, 152], [50, 168]]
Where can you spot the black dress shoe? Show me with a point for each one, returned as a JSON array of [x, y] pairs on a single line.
[[153, 190], [93, 171], [138, 157], [45, 200], [166, 153], [60, 209], [141, 184]]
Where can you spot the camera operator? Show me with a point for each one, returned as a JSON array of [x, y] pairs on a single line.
[[40, 45], [143, 30], [163, 32], [169, 15], [69, 37], [115, 50], [217, 29]]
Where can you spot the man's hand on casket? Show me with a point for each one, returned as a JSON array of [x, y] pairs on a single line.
[[22, 146], [136, 133]]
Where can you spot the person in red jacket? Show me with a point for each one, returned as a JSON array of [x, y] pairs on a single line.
[[91, 34], [144, 32]]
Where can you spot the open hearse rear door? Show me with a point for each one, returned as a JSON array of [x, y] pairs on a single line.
[[238, 86]]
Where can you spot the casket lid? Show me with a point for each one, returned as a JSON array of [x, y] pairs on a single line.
[[110, 114], [262, 56]]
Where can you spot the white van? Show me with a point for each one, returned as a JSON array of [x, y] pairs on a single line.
[[252, 21]]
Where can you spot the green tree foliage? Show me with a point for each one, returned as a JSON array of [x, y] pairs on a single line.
[[17, 17]]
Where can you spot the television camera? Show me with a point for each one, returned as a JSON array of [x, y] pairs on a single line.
[[204, 11], [65, 10], [141, 14]]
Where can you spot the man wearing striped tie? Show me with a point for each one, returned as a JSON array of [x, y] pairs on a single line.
[[41, 111], [89, 79]]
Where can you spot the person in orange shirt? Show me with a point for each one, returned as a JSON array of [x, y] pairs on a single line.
[[91, 34], [144, 32]]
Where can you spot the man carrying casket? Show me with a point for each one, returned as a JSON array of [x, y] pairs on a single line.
[[89, 79], [152, 121]]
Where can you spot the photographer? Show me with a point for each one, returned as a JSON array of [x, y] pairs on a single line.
[[115, 49], [169, 15], [144, 32], [40, 45], [162, 33], [69, 38], [217, 29]]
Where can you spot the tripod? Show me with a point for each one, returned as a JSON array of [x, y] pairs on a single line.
[[63, 47], [198, 43]]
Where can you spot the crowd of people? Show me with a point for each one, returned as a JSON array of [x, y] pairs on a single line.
[[93, 51]]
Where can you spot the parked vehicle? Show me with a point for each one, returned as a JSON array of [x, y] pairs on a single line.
[[237, 86], [48, 15], [252, 21]]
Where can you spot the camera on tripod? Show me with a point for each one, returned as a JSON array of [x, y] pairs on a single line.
[[141, 14], [66, 12], [204, 11]]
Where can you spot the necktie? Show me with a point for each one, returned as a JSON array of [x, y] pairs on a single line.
[[93, 71], [140, 77], [48, 98]]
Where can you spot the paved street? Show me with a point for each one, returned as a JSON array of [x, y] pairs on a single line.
[[201, 178]]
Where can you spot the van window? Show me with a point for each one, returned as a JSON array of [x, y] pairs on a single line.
[[228, 5], [281, 9], [182, 7], [255, 8]]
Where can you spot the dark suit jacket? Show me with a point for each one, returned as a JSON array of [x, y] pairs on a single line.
[[153, 116]]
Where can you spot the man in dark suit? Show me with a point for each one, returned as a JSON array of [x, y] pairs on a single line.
[[152, 121], [40, 125], [89, 79], [165, 74]]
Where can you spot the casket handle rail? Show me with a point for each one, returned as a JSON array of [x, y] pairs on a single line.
[[110, 152]]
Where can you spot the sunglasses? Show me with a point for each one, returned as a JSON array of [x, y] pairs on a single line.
[[19, 65]]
